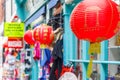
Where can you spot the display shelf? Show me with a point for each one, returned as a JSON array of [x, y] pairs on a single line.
[[113, 55], [95, 61], [114, 47], [99, 63]]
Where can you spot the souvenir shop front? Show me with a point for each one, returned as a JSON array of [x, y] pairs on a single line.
[[11, 50], [60, 47]]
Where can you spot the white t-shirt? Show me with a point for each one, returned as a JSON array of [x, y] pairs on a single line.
[[11, 59]]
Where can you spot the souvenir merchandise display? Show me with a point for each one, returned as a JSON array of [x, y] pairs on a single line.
[[57, 51], [60, 32], [17, 70], [27, 62], [41, 37], [44, 63], [17, 65], [44, 36], [5, 72], [22, 67], [11, 64], [94, 21]]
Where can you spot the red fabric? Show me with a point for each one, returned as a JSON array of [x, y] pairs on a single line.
[[37, 52], [64, 69], [16, 73], [94, 20]]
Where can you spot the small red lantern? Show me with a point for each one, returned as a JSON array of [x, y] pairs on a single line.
[[94, 20], [28, 37], [44, 34]]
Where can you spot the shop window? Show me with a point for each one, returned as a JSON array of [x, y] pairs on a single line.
[[56, 19]]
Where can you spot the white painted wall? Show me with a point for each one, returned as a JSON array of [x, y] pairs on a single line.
[[10, 9]]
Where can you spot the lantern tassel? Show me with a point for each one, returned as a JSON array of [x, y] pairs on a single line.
[[31, 46], [93, 49], [90, 66]]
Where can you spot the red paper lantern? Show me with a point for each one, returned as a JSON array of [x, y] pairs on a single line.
[[28, 37], [44, 34], [94, 20]]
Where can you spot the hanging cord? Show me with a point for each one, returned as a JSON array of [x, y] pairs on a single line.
[[53, 20], [61, 16], [57, 15]]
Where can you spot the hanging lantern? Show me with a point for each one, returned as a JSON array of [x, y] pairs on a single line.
[[44, 34], [94, 20], [28, 37]]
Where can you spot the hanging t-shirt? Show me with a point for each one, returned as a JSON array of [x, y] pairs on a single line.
[[11, 59]]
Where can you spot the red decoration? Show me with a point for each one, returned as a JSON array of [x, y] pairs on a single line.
[[44, 34], [5, 45], [94, 20], [28, 37], [37, 52]]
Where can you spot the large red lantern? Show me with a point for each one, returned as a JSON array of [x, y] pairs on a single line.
[[28, 37], [44, 34], [94, 20]]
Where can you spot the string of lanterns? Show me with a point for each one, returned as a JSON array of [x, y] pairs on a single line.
[[40, 37]]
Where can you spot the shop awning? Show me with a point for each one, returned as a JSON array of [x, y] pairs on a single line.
[[39, 12], [52, 3], [35, 16]]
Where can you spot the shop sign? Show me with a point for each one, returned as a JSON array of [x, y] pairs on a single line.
[[15, 42], [14, 29]]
